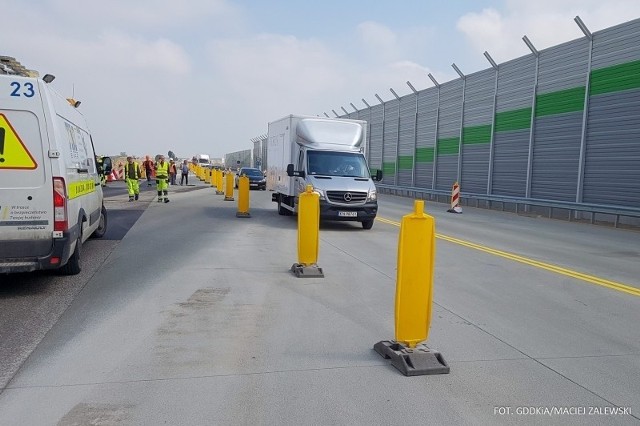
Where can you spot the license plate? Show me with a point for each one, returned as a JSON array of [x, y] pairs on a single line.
[[348, 214]]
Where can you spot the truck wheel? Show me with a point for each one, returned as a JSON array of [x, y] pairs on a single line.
[[72, 267], [102, 227], [367, 224]]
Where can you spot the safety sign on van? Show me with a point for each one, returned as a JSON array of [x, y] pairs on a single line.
[[13, 153]]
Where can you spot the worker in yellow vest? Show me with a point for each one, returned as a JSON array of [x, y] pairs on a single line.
[[132, 176], [162, 179]]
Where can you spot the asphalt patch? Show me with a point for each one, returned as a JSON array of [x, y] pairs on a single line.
[[120, 221]]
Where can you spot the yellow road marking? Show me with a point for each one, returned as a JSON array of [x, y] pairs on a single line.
[[547, 266]]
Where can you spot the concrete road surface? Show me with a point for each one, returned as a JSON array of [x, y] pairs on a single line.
[[195, 319]]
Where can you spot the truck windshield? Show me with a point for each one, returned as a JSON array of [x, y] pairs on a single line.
[[331, 163]]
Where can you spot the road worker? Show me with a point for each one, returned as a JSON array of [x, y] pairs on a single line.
[[132, 177], [101, 171], [148, 168], [162, 179]]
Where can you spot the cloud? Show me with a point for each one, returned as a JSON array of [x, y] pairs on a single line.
[[140, 15], [274, 75], [377, 39], [545, 22], [159, 55], [382, 44]]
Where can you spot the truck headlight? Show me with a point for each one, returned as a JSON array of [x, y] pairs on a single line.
[[373, 196], [320, 192]]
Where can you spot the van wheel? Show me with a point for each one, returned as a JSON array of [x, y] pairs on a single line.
[[367, 224], [102, 227], [72, 266]]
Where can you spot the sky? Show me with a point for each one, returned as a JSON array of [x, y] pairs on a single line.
[[207, 76]]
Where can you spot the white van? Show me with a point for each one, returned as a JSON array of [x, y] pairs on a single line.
[[50, 194]]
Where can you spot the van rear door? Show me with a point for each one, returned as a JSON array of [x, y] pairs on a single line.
[[26, 194]]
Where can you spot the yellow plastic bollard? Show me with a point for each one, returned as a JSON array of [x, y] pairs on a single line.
[[414, 292], [207, 175], [243, 197], [219, 183], [308, 235], [228, 191], [414, 283], [214, 177]]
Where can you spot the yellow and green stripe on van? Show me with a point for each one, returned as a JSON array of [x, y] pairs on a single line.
[[80, 188]]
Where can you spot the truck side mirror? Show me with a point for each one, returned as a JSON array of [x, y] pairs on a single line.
[[291, 172], [377, 176]]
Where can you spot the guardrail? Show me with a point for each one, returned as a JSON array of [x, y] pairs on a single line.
[[576, 211]]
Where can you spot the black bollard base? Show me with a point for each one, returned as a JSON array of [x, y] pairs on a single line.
[[418, 361], [307, 271]]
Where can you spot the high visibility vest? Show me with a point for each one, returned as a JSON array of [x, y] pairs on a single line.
[[162, 170], [136, 172]]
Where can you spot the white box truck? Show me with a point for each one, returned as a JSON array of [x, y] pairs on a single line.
[[327, 153], [50, 193], [202, 160]]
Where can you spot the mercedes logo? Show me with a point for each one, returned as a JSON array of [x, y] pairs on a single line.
[[347, 197]]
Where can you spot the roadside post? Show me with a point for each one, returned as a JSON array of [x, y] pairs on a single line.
[[308, 235], [414, 292], [214, 177], [228, 192], [219, 183], [455, 199], [243, 197]]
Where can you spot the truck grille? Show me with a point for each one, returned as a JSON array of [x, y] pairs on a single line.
[[347, 197]]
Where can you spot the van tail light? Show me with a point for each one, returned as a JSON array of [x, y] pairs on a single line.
[[60, 219]]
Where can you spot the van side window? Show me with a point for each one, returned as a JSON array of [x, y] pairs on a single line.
[[79, 144]]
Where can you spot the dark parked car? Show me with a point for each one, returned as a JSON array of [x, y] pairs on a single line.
[[256, 178]]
